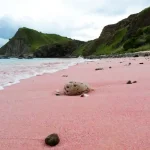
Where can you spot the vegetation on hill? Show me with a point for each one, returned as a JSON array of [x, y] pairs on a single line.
[[36, 39], [58, 49], [28, 41], [129, 35]]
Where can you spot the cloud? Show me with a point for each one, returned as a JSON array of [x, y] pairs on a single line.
[[78, 19], [7, 27]]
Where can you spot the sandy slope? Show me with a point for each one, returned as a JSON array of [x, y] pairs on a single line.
[[116, 116]]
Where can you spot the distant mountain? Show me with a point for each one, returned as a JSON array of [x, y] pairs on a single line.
[[128, 35]]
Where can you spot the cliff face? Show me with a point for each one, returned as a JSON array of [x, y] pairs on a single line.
[[16, 47], [109, 31]]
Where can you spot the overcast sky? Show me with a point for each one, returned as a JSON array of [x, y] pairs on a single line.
[[77, 19]]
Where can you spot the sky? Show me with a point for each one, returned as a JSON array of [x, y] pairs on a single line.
[[77, 19]]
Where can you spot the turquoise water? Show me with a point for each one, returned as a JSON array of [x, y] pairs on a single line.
[[13, 70]]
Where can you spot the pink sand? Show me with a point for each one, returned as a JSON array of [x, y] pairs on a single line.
[[116, 116]]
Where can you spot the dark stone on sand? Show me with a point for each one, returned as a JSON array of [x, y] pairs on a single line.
[[146, 54], [129, 64], [52, 140], [136, 55], [129, 82], [82, 95], [141, 63], [110, 67], [64, 75], [134, 82], [99, 69]]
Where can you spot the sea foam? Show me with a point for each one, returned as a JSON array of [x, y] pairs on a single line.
[[13, 70]]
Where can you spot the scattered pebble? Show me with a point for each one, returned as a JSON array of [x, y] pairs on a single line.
[[146, 54], [52, 140], [57, 93], [134, 82], [136, 55], [99, 69], [141, 63], [129, 64], [64, 75], [129, 82], [84, 95], [110, 67]]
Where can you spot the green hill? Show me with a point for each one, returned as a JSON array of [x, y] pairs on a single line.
[[36, 39], [129, 35], [28, 40]]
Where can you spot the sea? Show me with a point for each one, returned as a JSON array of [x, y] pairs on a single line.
[[13, 70]]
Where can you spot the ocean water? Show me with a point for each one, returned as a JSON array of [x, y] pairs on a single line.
[[13, 70]]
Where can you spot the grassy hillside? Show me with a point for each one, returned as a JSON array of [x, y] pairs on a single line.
[[128, 35], [36, 39], [30, 40]]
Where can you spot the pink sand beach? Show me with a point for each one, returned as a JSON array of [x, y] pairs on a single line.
[[116, 116]]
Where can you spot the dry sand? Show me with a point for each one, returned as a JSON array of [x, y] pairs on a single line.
[[116, 116]]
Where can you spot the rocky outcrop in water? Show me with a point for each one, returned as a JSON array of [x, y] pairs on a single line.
[[16, 47], [58, 49]]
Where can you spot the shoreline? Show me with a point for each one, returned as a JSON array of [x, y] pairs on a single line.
[[18, 80], [124, 55], [115, 116]]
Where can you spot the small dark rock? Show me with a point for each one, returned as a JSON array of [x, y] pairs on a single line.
[[21, 56], [129, 82], [82, 95], [64, 75], [136, 55], [120, 62], [141, 63], [110, 67], [146, 54], [29, 57], [52, 140], [129, 64], [57, 94], [134, 82], [99, 69]]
